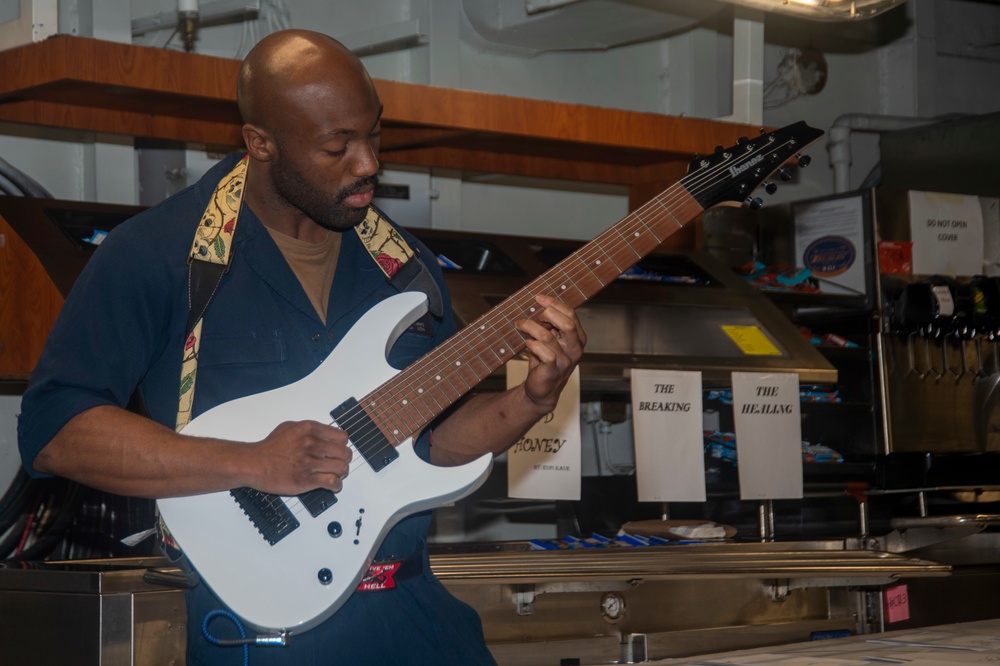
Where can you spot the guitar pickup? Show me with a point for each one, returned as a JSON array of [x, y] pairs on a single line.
[[267, 512], [365, 435], [317, 501]]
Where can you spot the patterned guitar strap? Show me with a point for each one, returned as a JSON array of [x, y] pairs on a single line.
[[210, 259]]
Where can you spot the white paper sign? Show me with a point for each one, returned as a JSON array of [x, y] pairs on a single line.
[[768, 434], [947, 233], [545, 463], [669, 442], [830, 241]]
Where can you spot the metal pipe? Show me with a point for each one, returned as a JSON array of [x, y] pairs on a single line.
[[693, 561], [863, 518], [839, 145], [766, 517]]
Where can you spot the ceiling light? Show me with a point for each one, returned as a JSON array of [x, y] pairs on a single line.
[[822, 10]]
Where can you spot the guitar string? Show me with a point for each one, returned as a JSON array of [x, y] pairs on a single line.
[[465, 343]]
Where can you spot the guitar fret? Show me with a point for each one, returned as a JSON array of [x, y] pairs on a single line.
[[442, 382], [670, 214], [394, 414], [399, 415], [465, 372], [570, 281], [584, 266], [414, 410], [611, 269], [500, 352], [626, 243], [423, 394]]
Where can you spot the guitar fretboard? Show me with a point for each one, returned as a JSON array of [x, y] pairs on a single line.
[[409, 401]]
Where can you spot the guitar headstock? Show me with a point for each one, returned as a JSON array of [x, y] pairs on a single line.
[[732, 174]]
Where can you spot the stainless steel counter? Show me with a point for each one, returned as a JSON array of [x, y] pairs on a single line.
[[538, 607], [603, 606], [98, 613]]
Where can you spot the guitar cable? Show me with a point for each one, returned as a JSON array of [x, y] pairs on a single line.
[[244, 641]]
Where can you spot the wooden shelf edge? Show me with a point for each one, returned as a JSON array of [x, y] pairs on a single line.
[[93, 85]]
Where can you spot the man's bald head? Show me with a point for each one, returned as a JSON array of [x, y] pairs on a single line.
[[285, 65], [312, 127]]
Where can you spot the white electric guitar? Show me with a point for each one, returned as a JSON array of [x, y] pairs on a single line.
[[288, 563]]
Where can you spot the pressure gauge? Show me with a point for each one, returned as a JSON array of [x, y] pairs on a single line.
[[613, 606]]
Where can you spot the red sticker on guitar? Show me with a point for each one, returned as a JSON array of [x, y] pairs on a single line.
[[379, 577]]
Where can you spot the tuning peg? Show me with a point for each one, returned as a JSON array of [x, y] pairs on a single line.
[[719, 149], [804, 160], [755, 202], [740, 141], [785, 174], [763, 131], [770, 188]]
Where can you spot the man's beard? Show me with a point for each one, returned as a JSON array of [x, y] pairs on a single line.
[[326, 211]]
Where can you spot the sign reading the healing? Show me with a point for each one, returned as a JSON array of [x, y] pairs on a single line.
[[768, 425]]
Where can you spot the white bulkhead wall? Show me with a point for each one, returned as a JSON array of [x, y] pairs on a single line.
[[668, 56]]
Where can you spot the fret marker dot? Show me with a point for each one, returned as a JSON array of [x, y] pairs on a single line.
[[395, 432], [563, 287], [503, 351], [420, 390], [598, 262], [637, 234], [532, 310], [458, 363], [438, 378], [406, 402]]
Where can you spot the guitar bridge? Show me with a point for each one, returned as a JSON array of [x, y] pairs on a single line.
[[267, 512], [272, 517]]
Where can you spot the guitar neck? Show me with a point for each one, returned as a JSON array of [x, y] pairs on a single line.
[[409, 401]]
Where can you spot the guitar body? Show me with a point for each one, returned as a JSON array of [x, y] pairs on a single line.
[[295, 577], [282, 586]]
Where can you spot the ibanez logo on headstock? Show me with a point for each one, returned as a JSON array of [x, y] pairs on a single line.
[[737, 169]]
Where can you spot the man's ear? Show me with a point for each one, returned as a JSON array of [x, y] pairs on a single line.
[[259, 143]]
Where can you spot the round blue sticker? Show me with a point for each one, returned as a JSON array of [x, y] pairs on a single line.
[[829, 256]]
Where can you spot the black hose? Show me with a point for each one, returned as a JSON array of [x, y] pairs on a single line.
[[28, 185], [15, 501], [9, 188], [53, 534]]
